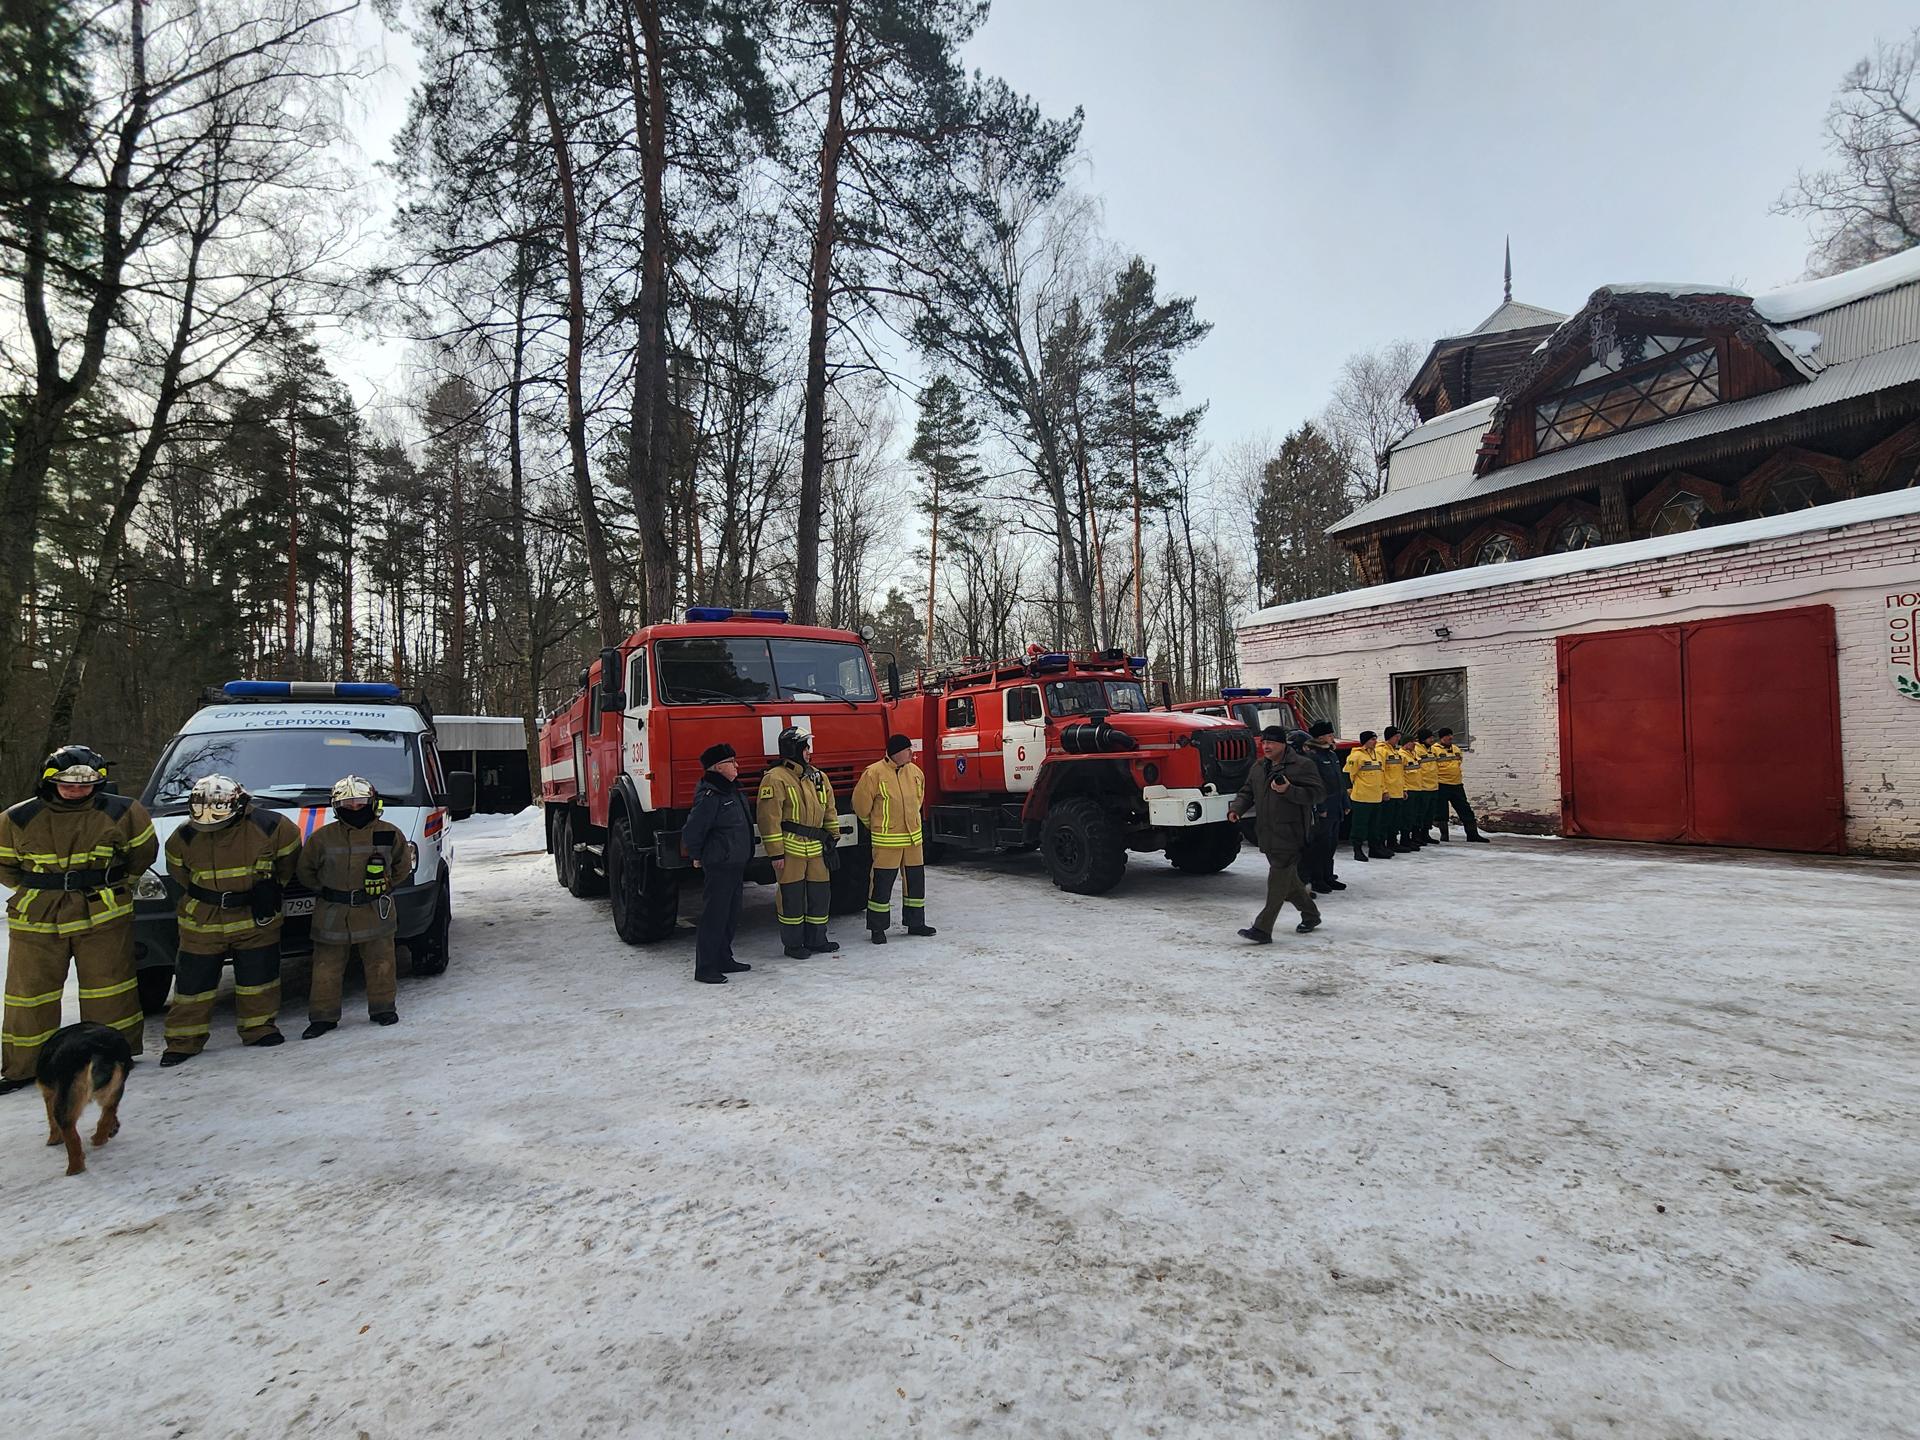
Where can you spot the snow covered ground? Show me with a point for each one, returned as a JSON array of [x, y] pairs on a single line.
[[1532, 1140]]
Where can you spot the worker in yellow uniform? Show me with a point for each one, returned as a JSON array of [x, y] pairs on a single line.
[[71, 856], [888, 801], [1366, 787], [1393, 762], [230, 864], [799, 827], [1423, 788], [1453, 791]]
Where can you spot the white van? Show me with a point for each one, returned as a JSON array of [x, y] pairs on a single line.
[[287, 741]]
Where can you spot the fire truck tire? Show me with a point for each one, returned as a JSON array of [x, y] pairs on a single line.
[[848, 884], [1205, 850], [1082, 847], [559, 833], [429, 951], [585, 879], [646, 898]]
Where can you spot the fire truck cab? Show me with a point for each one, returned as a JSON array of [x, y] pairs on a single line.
[[620, 761], [1060, 752], [1257, 707]]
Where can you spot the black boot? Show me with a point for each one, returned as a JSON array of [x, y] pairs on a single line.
[[173, 1058], [824, 947], [734, 967], [1381, 850], [1477, 838], [1336, 885], [7, 1087], [1258, 937], [1307, 927], [921, 930], [1359, 851], [710, 979], [797, 952], [315, 1029], [268, 1041], [878, 937], [386, 1017]]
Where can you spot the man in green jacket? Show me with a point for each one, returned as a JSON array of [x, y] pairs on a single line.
[[1281, 792]]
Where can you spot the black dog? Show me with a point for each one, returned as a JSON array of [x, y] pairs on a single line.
[[81, 1063]]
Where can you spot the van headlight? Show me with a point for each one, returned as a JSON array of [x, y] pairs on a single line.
[[150, 886], [413, 858]]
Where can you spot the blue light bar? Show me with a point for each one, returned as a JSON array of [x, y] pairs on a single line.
[[1053, 660], [1138, 662], [1244, 692], [707, 614], [311, 689]]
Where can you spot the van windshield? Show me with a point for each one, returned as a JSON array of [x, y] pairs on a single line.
[[288, 767]]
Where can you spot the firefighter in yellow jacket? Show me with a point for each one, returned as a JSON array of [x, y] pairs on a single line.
[[353, 864], [71, 856], [230, 865], [1393, 770], [888, 801], [799, 827]]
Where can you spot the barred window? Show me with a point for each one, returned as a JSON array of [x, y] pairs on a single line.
[[1319, 698], [1430, 700]]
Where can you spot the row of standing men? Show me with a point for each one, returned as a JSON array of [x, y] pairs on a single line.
[[72, 853], [1389, 793]]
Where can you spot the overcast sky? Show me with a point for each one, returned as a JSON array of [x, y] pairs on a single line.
[[1326, 177]]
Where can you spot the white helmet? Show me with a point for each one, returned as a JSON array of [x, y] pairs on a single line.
[[215, 800], [353, 790]]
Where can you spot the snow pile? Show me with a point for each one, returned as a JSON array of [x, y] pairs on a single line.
[[1810, 297], [1531, 1139], [1801, 342]]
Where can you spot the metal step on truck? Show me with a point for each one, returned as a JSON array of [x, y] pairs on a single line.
[[619, 761], [1059, 751]]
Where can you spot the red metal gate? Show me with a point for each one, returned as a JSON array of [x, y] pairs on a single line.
[[1718, 732]]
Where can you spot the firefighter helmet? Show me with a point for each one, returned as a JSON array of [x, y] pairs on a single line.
[[352, 791], [73, 765], [794, 742], [214, 801]]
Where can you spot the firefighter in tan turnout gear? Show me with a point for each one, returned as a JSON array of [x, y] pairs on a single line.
[[71, 856], [353, 864], [230, 864], [888, 800], [799, 828]]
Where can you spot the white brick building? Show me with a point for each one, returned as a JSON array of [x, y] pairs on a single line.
[[1663, 568]]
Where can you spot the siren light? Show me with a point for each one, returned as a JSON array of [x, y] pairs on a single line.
[[706, 614], [1246, 692], [311, 689]]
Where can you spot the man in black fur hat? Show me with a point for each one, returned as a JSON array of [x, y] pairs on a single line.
[[719, 839]]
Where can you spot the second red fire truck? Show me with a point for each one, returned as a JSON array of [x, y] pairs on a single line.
[[1059, 752]]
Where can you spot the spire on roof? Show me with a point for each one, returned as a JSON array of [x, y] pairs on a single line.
[[1507, 293]]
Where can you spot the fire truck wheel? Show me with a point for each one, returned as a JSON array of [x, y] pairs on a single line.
[[1204, 850], [646, 898], [585, 878], [430, 950], [1082, 847], [848, 884], [562, 836]]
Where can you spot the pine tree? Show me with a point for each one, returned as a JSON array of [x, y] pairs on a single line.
[[945, 451]]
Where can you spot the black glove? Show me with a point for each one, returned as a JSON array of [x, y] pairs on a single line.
[[264, 900], [833, 851]]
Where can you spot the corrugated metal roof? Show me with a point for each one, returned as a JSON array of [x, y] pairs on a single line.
[[1837, 383], [1891, 505], [1516, 315], [1866, 327], [1449, 453]]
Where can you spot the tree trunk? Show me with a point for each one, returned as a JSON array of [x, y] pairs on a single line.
[[292, 652], [457, 621], [813, 433], [1139, 608], [523, 562], [592, 535]]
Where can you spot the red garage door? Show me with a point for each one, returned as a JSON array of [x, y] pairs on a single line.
[[1721, 732]]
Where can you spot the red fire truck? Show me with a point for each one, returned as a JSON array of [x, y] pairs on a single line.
[[619, 763], [1257, 707], [1059, 752]]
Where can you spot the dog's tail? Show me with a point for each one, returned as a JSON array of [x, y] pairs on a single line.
[[104, 1067]]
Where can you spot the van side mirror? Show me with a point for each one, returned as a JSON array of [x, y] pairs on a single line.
[[460, 793], [893, 680]]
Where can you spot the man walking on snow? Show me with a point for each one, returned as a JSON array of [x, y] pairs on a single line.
[[1281, 794]]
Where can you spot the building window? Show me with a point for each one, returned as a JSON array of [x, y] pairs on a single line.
[[1429, 564], [1799, 491], [1430, 700], [1680, 514], [960, 713], [1574, 535], [1639, 395], [1319, 698], [1496, 550]]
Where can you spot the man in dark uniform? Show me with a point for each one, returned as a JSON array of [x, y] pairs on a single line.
[[1281, 792], [1317, 859], [718, 838]]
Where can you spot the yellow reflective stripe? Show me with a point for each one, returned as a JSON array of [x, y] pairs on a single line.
[[129, 1022], [194, 999], [142, 838], [256, 989], [225, 927], [252, 1022], [789, 919], [816, 919], [103, 991], [913, 904], [7, 852], [286, 850], [230, 872], [181, 1031], [28, 1000], [884, 907], [40, 1039]]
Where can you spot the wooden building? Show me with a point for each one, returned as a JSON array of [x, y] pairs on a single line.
[[1657, 409]]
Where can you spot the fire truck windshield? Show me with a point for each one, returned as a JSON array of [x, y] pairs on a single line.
[[1080, 697], [708, 668]]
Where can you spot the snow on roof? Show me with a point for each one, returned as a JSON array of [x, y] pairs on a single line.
[[1810, 297], [1801, 342], [1674, 287], [1448, 422], [1893, 504]]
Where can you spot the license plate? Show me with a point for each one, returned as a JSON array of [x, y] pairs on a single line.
[[299, 905]]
